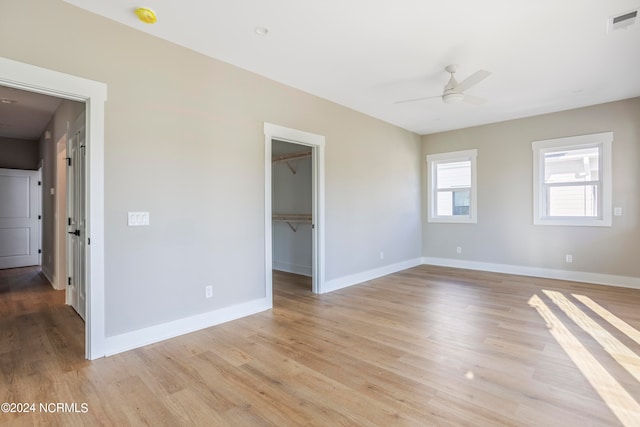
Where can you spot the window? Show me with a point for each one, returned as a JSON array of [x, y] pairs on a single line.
[[451, 191], [572, 180]]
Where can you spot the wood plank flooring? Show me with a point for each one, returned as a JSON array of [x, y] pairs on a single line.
[[426, 346]]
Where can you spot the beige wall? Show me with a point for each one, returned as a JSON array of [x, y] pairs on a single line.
[[505, 233], [184, 141], [18, 154]]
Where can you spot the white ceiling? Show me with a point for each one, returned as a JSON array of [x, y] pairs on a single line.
[[544, 55]]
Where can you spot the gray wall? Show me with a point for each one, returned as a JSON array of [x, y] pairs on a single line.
[[184, 140], [505, 233], [18, 154], [292, 193]]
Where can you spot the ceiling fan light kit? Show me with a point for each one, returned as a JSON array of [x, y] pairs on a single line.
[[453, 98]]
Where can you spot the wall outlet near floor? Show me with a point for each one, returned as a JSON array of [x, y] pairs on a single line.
[[459, 249], [568, 258], [208, 291]]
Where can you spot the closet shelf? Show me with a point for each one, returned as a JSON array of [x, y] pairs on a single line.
[[292, 219], [291, 157]]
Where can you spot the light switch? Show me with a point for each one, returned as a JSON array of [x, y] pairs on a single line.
[[617, 211], [136, 219]]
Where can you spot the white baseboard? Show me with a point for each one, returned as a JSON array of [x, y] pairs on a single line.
[[153, 334], [354, 279], [548, 273], [292, 268]]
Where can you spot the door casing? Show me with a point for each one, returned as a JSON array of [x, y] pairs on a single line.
[[316, 142], [31, 78]]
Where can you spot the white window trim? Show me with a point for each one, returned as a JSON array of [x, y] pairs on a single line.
[[603, 139], [454, 156]]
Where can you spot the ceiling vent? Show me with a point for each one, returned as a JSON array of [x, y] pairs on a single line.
[[620, 22]]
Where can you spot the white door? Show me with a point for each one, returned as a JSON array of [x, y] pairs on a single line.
[[19, 218], [61, 215], [76, 219]]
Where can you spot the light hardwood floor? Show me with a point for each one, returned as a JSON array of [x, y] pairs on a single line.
[[426, 346]]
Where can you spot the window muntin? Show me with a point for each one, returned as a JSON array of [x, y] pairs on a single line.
[[572, 180], [451, 191]]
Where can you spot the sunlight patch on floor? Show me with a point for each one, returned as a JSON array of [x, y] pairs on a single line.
[[621, 403], [618, 323]]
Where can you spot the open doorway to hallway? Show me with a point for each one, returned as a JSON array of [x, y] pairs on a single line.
[[37, 131], [93, 94]]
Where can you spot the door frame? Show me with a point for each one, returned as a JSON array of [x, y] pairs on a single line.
[[317, 143], [31, 78]]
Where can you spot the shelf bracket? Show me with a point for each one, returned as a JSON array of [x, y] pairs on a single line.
[[291, 168]]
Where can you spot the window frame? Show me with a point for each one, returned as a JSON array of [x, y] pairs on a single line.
[[452, 157], [603, 140]]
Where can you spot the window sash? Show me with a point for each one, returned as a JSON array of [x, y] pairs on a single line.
[[460, 205], [548, 186], [463, 167], [594, 201], [597, 201], [443, 211]]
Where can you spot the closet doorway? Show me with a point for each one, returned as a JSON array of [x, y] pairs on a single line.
[[294, 205], [291, 206]]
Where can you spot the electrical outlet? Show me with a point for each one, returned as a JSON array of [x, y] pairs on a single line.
[[568, 258], [617, 211], [208, 291], [459, 250]]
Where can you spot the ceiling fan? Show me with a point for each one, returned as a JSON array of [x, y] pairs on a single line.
[[454, 92]]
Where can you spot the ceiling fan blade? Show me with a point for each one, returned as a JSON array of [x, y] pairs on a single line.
[[417, 99], [472, 80], [475, 100]]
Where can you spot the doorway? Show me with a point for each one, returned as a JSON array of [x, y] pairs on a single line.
[[306, 142], [36, 79], [291, 191]]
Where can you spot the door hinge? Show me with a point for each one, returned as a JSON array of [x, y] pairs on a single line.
[[69, 281], [39, 251], [39, 216], [88, 240], [68, 161], [40, 183], [68, 221]]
